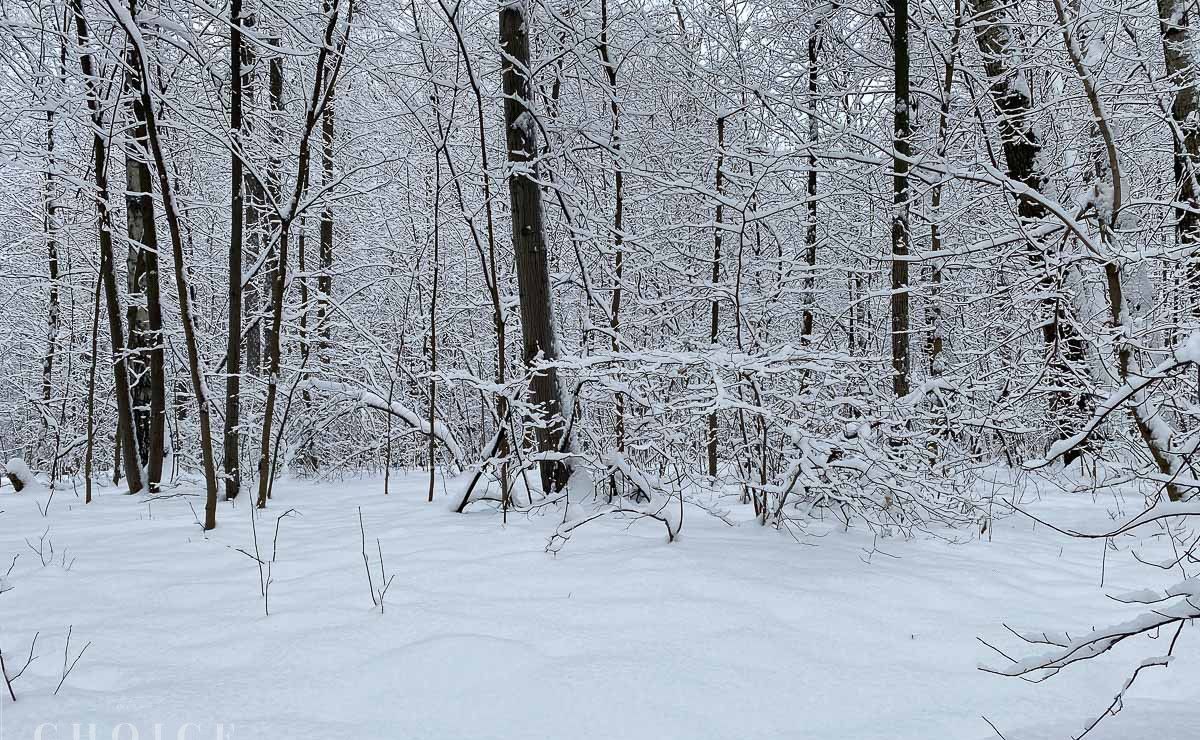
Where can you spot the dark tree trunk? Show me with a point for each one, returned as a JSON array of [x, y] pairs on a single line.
[[174, 222], [610, 70], [144, 315], [53, 313], [125, 427], [810, 233], [1011, 96], [233, 345], [901, 232], [529, 244], [715, 304], [1180, 53], [325, 277]]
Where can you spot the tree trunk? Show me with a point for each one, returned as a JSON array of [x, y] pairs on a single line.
[[1181, 51], [810, 232], [715, 304], [935, 340], [1012, 97], [254, 225], [171, 210], [274, 189], [233, 344], [901, 232], [529, 244], [125, 426], [148, 382], [610, 70], [325, 277], [53, 313], [277, 261]]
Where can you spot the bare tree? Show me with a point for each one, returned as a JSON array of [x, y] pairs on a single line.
[[1011, 96], [901, 208], [171, 210], [529, 243], [144, 314], [126, 431]]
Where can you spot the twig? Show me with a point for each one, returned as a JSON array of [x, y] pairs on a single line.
[[366, 562], [4, 669], [383, 576], [66, 657]]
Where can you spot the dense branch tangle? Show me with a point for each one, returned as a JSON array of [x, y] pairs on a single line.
[[716, 227]]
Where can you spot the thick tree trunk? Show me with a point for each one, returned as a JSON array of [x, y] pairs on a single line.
[[1011, 96], [274, 190], [277, 262], [175, 226], [233, 344], [126, 442], [529, 244], [1181, 52], [901, 231], [144, 315]]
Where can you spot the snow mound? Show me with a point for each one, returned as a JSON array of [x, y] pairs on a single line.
[[19, 474]]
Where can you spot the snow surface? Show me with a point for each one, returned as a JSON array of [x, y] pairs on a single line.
[[729, 632]]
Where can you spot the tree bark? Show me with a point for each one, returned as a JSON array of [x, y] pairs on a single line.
[[901, 232], [125, 427], [53, 312], [529, 244], [610, 70], [808, 319], [1180, 55], [325, 258], [171, 210], [714, 315], [1012, 98], [144, 315], [935, 340], [254, 225], [233, 344]]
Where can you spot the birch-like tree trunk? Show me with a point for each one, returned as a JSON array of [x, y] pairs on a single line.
[[126, 431], [182, 287], [144, 312]]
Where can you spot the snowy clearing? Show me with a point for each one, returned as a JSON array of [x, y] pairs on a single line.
[[620, 635]]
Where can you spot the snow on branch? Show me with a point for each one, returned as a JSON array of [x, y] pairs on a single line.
[[439, 431]]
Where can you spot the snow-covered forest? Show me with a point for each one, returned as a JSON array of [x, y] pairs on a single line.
[[827, 354]]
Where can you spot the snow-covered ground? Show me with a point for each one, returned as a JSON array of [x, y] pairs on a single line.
[[730, 632]]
